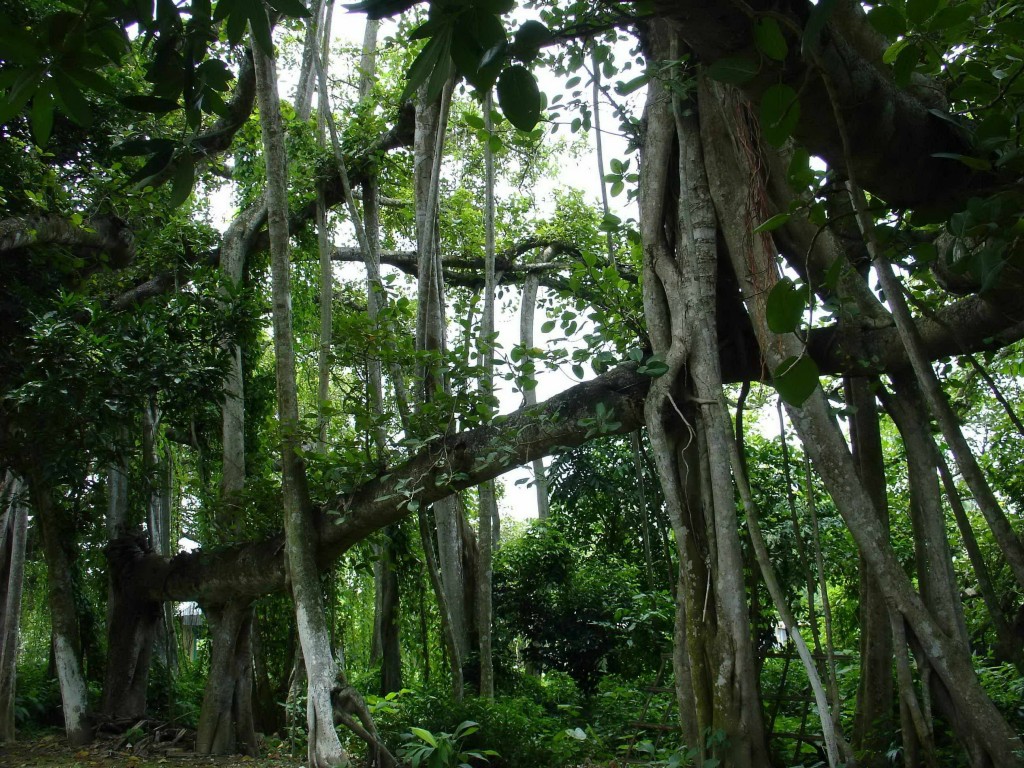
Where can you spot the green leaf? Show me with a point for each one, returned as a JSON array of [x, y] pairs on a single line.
[[774, 222], [71, 98], [780, 113], [733, 70], [796, 379], [425, 735], [894, 50], [548, 327], [769, 39], [977, 163], [785, 307], [436, 49], [888, 20], [519, 97], [919, 11], [381, 9], [951, 16], [260, 26], [815, 24], [654, 368], [183, 180], [905, 64], [630, 86], [529, 38], [42, 117]]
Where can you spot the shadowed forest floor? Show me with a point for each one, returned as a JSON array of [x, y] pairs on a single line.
[[51, 751]]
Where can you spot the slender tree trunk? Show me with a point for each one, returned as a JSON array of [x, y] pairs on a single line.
[[300, 535], [13, 533], [1007, 539], [1009, 647], [873, 720], [526, 321], [327, 690], [159, 477], [431, 122], [488, 501], [63, 617]]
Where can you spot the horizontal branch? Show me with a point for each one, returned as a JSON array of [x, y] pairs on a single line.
[[463, 460], [467, 271], [440, 468], [104, 234]]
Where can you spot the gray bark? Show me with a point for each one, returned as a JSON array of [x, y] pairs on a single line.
[[328, 693], [488, 502], [873, 720], [226, 718], [13, 532], [63, 617], [729, 163], [325, 749], [680, 302]]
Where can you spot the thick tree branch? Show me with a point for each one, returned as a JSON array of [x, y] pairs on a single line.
[[442, 467], [221, 134], [895, 135], [398, 136], [569, 419], [105, 234]]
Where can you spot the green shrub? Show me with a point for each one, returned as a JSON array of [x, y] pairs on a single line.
[[522, 731]]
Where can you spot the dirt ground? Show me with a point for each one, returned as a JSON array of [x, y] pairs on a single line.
[[50, 751]]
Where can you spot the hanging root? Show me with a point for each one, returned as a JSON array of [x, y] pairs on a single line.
[[351, 711]]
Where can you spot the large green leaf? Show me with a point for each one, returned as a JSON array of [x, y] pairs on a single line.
[[888, 20], [795, 379], [734, 71], [780, 112], [769, 39], [519, 97], [785, 306]]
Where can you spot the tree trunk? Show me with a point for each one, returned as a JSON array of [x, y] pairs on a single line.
[[488, 510], [526, 321], [680, 288], [132, 631], [325, 749], [387, 620], [226, 718], [159, 477], [873, 724], [731, 152], [328, 693], [13, 533], [63, 617]]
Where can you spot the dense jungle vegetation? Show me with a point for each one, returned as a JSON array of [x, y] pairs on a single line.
[[277, 311]]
